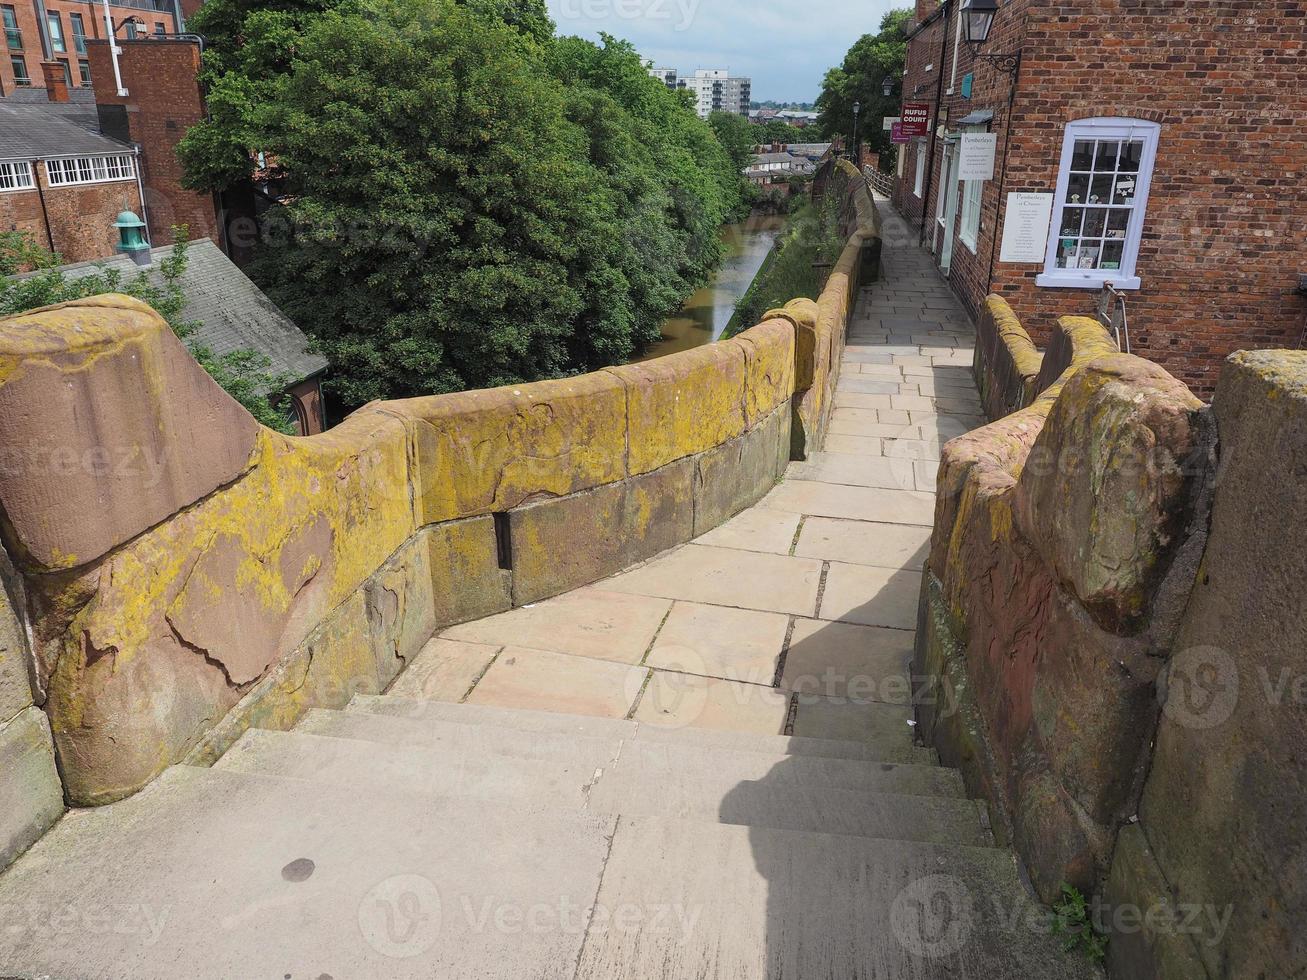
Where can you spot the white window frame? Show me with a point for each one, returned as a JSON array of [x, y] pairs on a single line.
[[920, 179], [973, 194], [1102, 128], [16, 175], [101, 169]]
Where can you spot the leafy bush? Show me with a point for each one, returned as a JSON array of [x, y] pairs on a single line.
[[468, 201]]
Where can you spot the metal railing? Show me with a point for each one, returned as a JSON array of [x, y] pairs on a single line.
[[881, 182]]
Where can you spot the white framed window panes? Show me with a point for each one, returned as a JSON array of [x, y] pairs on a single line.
[[90, 170], [969, 233], [1100, 204], [920, 179], [16, 175]]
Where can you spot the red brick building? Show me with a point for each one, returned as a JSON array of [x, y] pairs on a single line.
[[163, 101], [56, 33], [1169, 140], [71, 159], [63, 182]]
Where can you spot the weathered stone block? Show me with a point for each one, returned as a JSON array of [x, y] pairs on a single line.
[[15, 685], [564, 543], [338, 661], [768, 368], [739, 473], [1224, 801], [1145, 938], [802, 315], [31, 798], [478, 452], [1094, 708], [104, 412], [169, 632], [683, 404], [1107, 489], [466, 580]]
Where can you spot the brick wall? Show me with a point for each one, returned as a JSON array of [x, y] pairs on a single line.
[[80, 217], [92, 15], [164, 100], [1223, 237]]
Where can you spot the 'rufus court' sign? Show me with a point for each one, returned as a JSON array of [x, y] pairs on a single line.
[[916, 118]]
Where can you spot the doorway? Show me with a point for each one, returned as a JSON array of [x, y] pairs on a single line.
[[946, 212]]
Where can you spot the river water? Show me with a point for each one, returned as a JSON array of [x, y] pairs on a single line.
[[705, 314]]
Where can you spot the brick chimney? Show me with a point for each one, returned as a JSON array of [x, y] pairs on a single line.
[[56, 86], [925, 8]]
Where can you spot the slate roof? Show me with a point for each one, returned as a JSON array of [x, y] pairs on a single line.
[[31, 130], [233, 313]]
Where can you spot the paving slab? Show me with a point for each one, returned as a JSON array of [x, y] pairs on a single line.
[[756, 529], [590, 622], [885, 900], [855, 445], [871, 596], [726, 577], [845, 718], [720, 641], [444, 670], [841, 660], [856, 503], [549, 681], [865, 543], [674, 700], [425, 720], [861, 471], [211, 874]]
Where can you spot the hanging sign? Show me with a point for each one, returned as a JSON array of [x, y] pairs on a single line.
[[916, 118], [896, 134], [887, 123], [1025, 227], [976, 156]]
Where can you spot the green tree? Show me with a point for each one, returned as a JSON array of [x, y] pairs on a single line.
[[737, 135], [779, 131], [243, 374], [468, 203], [872, 59]]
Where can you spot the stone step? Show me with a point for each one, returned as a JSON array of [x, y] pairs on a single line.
[[256, 876], [878, 748], [645, 783], [724, 764]]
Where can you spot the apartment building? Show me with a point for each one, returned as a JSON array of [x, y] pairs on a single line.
[[714, 89], [49, 37]]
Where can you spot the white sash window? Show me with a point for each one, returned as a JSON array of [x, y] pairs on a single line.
[[1100, 203]]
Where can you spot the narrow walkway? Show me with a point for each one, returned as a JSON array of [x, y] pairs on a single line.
[[649, 818], [811, 592]]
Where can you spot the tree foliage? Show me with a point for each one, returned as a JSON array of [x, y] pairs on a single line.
[[872, 59], [243, 374], [469, 201]]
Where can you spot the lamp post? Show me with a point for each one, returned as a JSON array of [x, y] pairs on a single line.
[[887, 87], [857, 155]]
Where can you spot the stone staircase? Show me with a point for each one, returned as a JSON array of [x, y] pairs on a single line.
[[402, 838]]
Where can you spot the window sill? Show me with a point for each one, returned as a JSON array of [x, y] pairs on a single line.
[[1085, 280], [971, 244]]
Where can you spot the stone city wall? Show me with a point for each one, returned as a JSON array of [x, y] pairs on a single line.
[[189, 574], [1101, 597]]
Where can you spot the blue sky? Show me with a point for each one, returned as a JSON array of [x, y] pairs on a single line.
[[784, 45]]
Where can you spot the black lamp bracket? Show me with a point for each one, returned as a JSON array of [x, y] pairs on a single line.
[[1008, 64]]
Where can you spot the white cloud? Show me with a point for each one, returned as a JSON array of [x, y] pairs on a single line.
[[786, 46]]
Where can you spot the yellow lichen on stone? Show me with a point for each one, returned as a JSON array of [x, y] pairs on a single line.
[[769, 367], [683, 404], [477, 452]]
